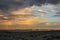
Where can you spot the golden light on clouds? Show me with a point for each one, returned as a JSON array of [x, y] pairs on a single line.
[[5, 17], [52, 10], [25, 21], [43, 11], [1, 15], [48, 24], [5, 22], [22, 11], [33, 6], [29, 20]]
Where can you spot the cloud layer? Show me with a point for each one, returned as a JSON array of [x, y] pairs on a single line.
[[11, 7], [16, 4]]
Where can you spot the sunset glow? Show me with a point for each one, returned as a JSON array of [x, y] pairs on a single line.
[[31, 13], [47, 24]]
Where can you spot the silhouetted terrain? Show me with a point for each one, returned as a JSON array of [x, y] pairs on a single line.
[[29, 35]]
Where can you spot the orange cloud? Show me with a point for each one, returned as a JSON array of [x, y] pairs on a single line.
[[48, 24], [1, 15], [29, 20], [22, 11], [5, 22]]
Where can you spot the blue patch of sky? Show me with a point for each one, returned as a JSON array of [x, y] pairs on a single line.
[[49, 16]]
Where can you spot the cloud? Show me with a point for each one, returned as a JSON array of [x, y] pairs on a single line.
[[22, 7], [54, 1], [26, 17], [18, 4]]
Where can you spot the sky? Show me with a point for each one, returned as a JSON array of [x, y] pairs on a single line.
[[50, 15], [39, 10]]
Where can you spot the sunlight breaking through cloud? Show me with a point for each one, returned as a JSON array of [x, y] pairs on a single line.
[[20, 19]]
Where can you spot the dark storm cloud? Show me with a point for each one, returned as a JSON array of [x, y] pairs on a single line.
[[54, 1], [9, 4], [16, 4]]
